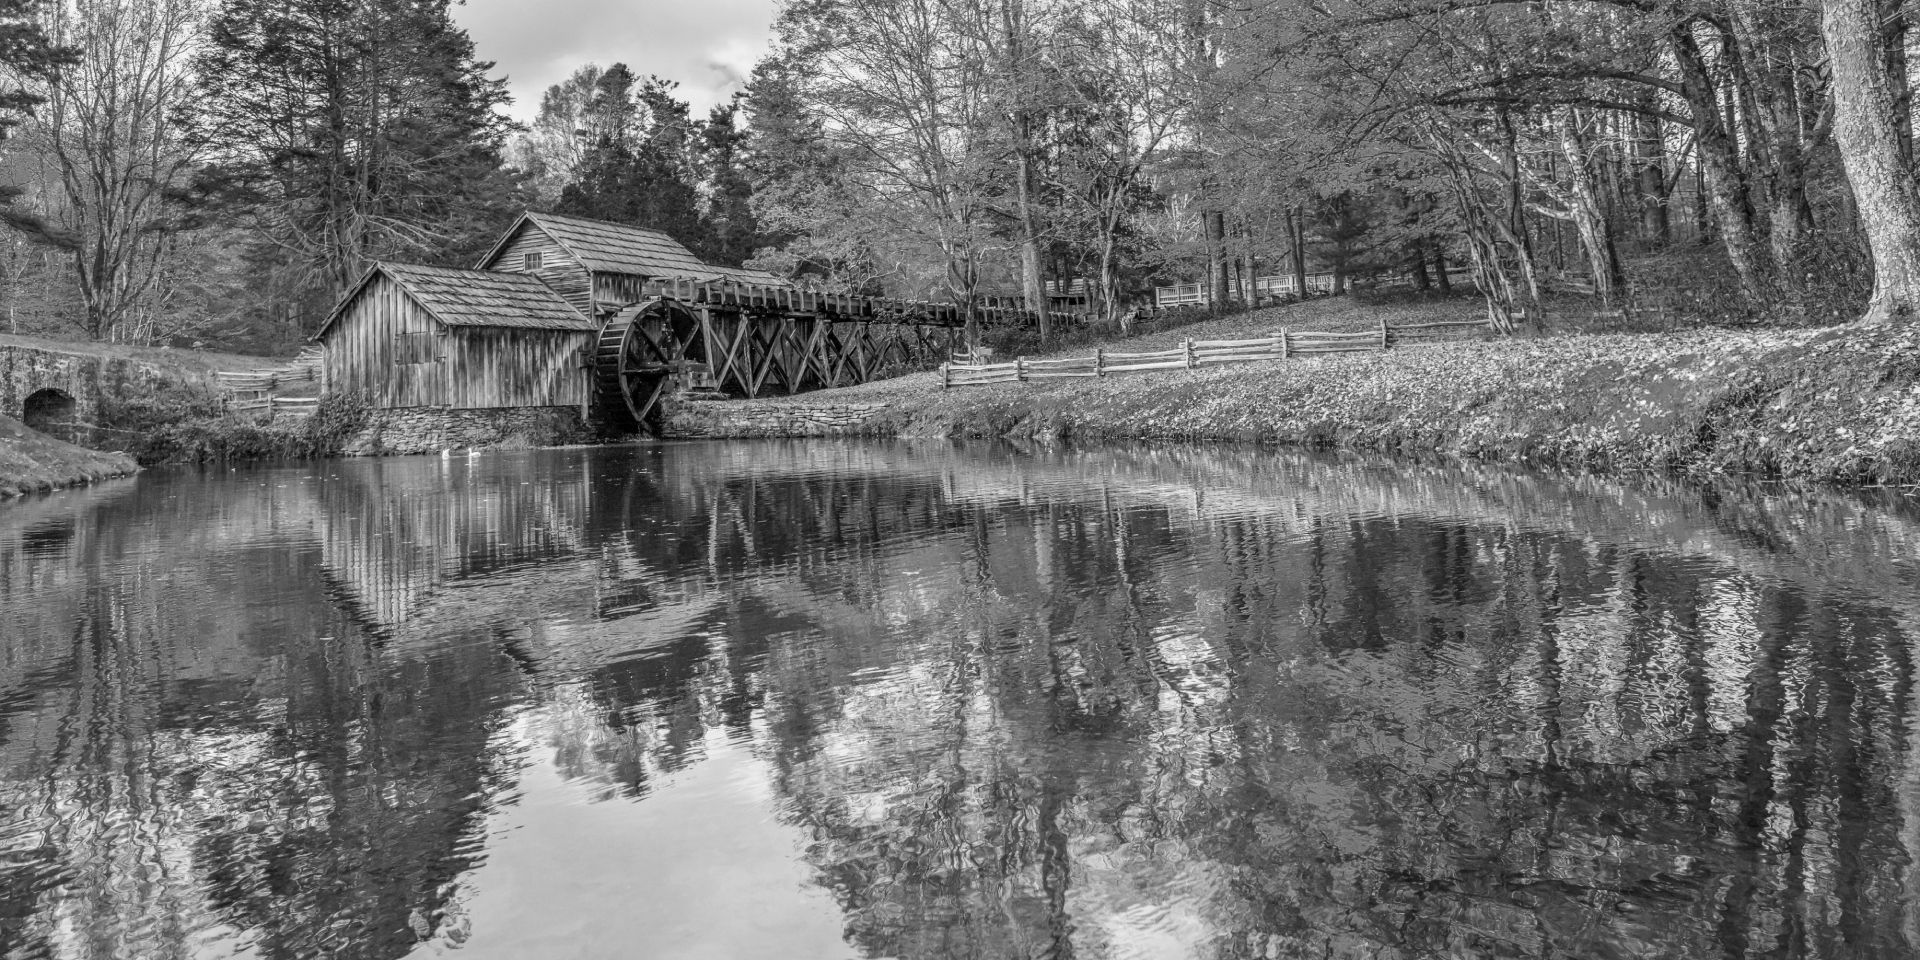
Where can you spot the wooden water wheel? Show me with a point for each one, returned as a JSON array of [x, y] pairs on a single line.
[[636, 357]]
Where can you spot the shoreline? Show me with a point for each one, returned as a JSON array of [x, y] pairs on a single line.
[[32, 463], [1837, 405]]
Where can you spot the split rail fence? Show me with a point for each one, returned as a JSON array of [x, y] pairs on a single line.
[[278, 406], [968, 370], [258, 389]]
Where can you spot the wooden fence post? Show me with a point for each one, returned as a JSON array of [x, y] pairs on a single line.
[[1100, 361], [946, 375], [1187, 345], [1020, 369], [1383, 333], [1283, 343]]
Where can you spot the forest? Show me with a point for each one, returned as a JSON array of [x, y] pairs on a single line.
[[216, 172]]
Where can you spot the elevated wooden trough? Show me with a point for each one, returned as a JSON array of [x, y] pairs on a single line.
[[752, 339]]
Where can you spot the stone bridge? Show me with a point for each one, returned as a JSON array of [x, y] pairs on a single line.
[[60, 392]]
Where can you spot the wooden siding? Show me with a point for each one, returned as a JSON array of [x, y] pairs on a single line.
[[557, 267], [499, 367], [363, 344], [476, 367], [611, 291]]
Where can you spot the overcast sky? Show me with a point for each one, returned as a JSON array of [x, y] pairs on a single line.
[[707, 45]]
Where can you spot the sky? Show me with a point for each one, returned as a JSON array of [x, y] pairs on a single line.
[[708, 45]]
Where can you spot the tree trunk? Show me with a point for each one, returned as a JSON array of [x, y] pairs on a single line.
[[1719, 162], [1896, 47], [1109, 299], [1215, 223], [1297, 226], [1867, 130], [1596, 234], [1031, 281], [1014, 20], [1650, 181], [1440, 272]]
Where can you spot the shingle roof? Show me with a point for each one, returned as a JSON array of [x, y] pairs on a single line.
[[475, 298], [621, 248]]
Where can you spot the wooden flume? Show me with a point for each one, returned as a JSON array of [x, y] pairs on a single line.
[[752, 340]]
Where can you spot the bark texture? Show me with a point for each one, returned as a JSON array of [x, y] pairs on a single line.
[[1866, 126]]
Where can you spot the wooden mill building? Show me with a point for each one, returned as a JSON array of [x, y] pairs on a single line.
[[601, 320], [599, 266], [411, 336]]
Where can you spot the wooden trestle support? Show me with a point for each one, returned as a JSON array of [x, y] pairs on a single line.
[[749, 341]]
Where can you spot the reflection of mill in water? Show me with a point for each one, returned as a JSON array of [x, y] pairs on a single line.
[[632, 567], [420, 545], [652, 596]]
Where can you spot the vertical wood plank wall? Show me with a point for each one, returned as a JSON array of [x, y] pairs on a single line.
[[614, 290], [476, 367], [567, 276], [361, 349], [504, 367]]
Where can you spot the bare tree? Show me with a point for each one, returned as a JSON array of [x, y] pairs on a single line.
[[552, 148], [107, 129], [1127, 74], [901, 92]]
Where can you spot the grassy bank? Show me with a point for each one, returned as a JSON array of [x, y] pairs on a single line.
[[32, 462], [1841, 404]]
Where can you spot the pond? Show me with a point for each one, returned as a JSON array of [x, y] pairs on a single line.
[[830, 700]]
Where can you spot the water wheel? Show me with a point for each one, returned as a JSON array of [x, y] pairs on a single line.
[[635, 359]]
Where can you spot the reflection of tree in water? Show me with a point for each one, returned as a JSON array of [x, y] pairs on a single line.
[[203, 774], [1060, 707], [372, 786], [1396, 738]]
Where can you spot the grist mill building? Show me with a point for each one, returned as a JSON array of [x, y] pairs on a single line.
[[569, 323]]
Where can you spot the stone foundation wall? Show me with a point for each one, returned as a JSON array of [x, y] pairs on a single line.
[[405, 430], [766, 418]]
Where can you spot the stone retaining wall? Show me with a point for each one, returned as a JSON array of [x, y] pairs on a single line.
[[767, 418], [405, 430]]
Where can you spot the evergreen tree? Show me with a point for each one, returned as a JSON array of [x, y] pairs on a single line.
[[611, 111], [25, 52], [733, 229], [640, 171], [354, 130]]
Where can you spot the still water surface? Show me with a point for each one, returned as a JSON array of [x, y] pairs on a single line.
[[836, 700]]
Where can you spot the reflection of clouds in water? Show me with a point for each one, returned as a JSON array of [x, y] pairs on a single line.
[[949, 704], [696, 869]]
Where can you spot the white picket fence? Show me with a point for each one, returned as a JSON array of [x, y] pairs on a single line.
[[1279, 285], [1282, 285]]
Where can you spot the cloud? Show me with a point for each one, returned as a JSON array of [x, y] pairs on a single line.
[[709, 46]]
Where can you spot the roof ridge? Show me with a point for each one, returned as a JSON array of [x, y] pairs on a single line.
[[537, 215], [465, 271], [466, 292]]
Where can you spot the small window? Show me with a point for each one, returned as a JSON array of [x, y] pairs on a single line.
[[530, 261], [416, 348]]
